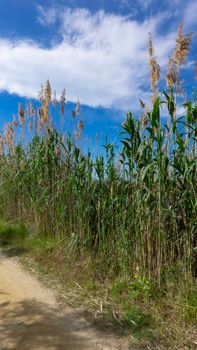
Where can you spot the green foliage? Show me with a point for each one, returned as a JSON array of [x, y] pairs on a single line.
[[12, 233], [136, 319], [141, 288], [137, 212], [41, 244]]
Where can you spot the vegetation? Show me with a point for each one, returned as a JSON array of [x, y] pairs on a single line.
[[131, 213]]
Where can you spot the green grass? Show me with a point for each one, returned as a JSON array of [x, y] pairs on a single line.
[[12, 234]]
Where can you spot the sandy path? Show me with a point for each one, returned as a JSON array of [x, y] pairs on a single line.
[[31, 319]]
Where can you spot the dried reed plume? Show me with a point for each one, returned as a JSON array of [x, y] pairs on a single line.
[[172, 74], [40, 118], [78, 107], [9, 136], [54, 99], [48, 91], [1, 145], [80, 125], [43, 111], [143, 118], [77, 134], [62, 102], [182, 46], [35, 124], [30, 126], [176, 61], [45, 114], [41, 94], [32, 109], [14, 121], [154, 67], [27, 110], [21, 115]]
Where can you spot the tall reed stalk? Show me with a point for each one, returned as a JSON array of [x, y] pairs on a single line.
[[137, 213]]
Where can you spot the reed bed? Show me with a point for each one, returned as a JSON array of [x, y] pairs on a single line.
[[132, 211]]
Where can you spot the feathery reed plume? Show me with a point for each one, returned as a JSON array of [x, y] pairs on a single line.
[[32, 109], [41, 94], [62, 102], [172, 74], [21, 115], [48, 91], [80, 125], [43, 112], [143, 118], [14, 121], [27, 110], [9, 136], [154, 68], [40, 118], [176, 61], [1, 145], [182, 46], [181, 88], [77, 134], [35, 123], [30, 126], [54, 99], [78, 107], [45, 109]]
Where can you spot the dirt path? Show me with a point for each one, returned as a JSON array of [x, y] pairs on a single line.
[[31, 319]]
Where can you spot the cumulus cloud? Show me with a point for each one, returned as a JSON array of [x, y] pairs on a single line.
[[190, 15], [46, 16], [102, 58]]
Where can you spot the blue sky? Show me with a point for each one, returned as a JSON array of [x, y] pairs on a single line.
[[97, 50]]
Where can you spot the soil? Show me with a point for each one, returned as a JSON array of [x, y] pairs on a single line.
[[32, 319]]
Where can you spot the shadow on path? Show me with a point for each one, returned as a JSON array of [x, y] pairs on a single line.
[[13, 251], [32, 319], [28, 325]]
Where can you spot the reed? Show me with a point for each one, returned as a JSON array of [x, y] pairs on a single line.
[[134, 214]]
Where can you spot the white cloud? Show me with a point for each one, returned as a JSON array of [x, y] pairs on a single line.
[[180, 111], [102, 58], [190, 15], [46, 16]]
